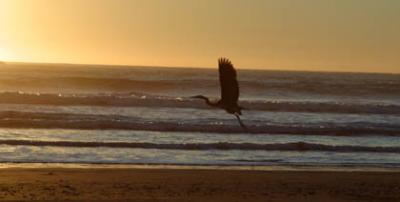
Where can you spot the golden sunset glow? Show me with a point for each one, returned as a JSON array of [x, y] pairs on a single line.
[[343, 35], [3, 54]]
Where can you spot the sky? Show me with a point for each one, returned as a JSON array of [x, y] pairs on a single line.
[[315, 35]]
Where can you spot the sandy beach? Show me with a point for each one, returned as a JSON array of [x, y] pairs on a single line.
[[138, 184]]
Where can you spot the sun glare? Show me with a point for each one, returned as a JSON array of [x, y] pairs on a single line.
[[4, 55]]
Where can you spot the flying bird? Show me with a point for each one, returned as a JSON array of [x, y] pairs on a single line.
[[229, 90]]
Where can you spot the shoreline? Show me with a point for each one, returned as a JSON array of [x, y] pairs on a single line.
[[183, 184], [303, 168]]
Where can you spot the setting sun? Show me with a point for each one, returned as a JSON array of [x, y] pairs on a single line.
[[4, 55]]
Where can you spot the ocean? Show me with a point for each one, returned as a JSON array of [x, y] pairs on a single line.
[[97, 114]]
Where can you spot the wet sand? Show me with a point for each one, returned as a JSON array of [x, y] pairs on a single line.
[[136, 184]]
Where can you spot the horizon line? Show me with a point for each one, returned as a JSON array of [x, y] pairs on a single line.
[[188, 67]]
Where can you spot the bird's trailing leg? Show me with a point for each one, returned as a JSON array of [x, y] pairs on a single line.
[[240, 121]]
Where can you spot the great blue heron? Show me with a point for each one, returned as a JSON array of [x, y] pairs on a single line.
[[229, 90]]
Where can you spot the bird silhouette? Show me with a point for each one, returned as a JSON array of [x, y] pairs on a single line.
[[229, 90]]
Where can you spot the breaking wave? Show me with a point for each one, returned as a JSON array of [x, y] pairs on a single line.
[[146, 100], [18, 119], [296, 146], [148, 80]]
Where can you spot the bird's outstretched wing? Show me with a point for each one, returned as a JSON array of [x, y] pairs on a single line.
[[228, 82]]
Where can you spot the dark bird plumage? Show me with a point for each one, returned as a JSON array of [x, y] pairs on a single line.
[[229, 90]]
